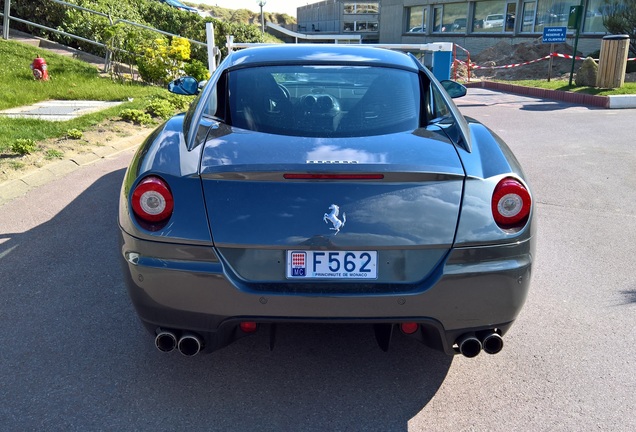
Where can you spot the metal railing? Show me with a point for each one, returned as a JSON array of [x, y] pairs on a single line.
[[7, 18]]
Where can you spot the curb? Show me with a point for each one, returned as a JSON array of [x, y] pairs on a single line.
[[614, 102], [15, 188]]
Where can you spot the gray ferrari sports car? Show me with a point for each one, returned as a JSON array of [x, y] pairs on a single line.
[[325, 184]]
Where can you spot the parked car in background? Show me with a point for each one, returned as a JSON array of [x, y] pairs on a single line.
[[494, 20], [419, 29], [459, 23], [318, 183]]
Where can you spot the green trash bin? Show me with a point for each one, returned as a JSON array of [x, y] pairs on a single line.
[[612, 61]]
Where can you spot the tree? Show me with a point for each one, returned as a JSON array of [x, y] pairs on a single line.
[[619, 17]]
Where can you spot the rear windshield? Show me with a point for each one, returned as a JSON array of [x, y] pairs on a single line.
[[324, 101]]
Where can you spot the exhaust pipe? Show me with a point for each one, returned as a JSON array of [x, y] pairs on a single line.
[[493, 343], [165, 341], [469, 345], [190, 344]]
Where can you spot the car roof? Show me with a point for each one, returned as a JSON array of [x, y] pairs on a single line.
[[285, 54]]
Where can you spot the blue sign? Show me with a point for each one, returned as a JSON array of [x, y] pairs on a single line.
[[554, 34]]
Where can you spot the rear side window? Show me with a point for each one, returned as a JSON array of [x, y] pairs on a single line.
[[324, 101]]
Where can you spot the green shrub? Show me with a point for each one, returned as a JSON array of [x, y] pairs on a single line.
[[197, 69], [23, 146], [74, 134], [160, 108], [167, 104], [180, 102], [136, 116]]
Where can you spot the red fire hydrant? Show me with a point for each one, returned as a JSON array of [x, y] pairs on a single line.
[[40, 69]]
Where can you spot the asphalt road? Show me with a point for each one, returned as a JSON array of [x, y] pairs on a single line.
[[75, 357]]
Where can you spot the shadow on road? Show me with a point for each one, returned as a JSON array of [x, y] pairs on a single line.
[[630, 296], [75, 356]]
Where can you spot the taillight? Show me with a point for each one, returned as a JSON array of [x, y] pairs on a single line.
[[511, 204], [152, 200]]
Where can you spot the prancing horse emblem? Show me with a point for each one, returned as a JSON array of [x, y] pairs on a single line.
[[333, 218]]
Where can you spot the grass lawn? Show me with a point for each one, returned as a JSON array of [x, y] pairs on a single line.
[[628, 88], [70, 80]]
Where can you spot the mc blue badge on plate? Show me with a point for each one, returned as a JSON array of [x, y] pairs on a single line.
[[298, 264]]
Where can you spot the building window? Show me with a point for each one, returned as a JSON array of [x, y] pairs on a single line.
[[437, 19], [416, 19], [553, 14], [455, 17], [494, 16], [511, 17], [360, 23], [451, 17], [593, 19], [360, 26], [529, 17], [362, 8]]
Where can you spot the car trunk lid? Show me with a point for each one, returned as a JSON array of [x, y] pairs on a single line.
[[267, 195]]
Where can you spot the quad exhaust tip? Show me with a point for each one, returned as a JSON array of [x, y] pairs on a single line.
[[189, 344], [470, 345], [165, 341], [492, 343]]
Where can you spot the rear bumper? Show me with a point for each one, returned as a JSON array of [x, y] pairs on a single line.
[[185, 288]]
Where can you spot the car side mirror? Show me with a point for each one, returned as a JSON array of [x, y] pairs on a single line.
[[184, 86], [454, 89]]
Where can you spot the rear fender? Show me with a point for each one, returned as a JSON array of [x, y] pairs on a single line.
[[164, 154], [489, 161]]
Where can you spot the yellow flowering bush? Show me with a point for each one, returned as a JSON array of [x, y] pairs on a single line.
[[160, 62]]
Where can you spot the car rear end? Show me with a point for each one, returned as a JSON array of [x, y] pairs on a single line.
[[323, 209]]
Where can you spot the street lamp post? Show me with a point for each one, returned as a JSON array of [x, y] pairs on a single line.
[[262, 3]]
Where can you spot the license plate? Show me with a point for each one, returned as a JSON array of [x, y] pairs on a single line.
[[332, 264]]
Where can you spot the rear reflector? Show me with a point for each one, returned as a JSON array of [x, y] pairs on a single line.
[[294, 176], [248, 326], [409, 327]]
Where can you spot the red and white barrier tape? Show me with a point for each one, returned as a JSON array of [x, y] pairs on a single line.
[[566, 56]]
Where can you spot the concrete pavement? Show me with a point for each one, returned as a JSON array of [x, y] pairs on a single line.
[[58, 110], [611, 102]]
